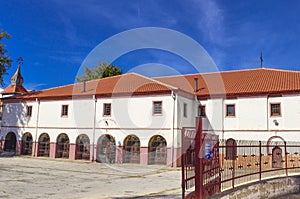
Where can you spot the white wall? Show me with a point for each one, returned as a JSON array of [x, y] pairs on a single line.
[[135, 112], [129, 116], [250, 114], [214, 114], [189, 120], [134, 115], [253, 120], [290, 113], [14, 114]]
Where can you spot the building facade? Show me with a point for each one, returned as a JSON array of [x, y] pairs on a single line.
[[135, 119]]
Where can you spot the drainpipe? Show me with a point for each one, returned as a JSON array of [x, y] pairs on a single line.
[[36, 126], [268, 128], [223, 119], [1, 122], [223, 126], [94, 128], [173, 127]]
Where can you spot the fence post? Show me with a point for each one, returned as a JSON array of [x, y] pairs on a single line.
[[233, 169], [286, 159], [199, 160], [260, 160], [182, 164]]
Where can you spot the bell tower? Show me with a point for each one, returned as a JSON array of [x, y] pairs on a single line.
[[16, 82], [17, 79]]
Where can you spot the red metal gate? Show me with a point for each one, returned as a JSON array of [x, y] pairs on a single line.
[[200, 163], [188, 159]]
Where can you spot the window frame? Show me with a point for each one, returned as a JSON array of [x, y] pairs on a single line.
[[153, 108], [63, 110], [203, 110], [272, 114], [185, 109], [28, 111], [104, 110], [234, 110]]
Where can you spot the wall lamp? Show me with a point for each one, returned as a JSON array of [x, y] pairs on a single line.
[[276, 122]]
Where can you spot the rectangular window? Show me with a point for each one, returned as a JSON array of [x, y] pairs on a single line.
[[106, 109], [64, 110], [201, 111], [28, 111], [157, 108], [275, 109], [230, 110], [184, 110]]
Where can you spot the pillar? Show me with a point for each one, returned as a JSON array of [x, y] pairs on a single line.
[[35, 147], [2, 142], [18, 147], [178, 155], [169, 156], [52, 149], [119, 154], [176, 159], [93, 153], [72, 152], [144, 155]]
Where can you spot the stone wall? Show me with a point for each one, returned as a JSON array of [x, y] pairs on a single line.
[[263, 189]]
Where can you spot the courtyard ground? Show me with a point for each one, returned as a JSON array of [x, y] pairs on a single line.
[[27, 177]]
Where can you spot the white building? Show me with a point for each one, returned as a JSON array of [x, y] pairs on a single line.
[[135, 119]]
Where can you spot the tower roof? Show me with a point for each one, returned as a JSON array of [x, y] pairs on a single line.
[[17, 78], [16, 83]]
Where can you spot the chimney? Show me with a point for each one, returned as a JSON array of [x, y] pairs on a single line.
[[195, 84], [83, 86]]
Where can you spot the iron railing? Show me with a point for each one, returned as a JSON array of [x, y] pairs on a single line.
[[237, 164]]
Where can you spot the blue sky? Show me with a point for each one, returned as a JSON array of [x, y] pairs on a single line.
[[55, 36]]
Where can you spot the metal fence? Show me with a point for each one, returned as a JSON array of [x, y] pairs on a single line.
[[254, 161], [236, 163]]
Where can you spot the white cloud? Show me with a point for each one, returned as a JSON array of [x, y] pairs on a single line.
[[34, 86], [67, 56], [154, 70], [210, 20]]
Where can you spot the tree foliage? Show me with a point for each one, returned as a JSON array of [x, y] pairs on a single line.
[[5, 61], [102, 70]]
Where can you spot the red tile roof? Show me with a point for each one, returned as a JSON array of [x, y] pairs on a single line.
[[242, 82], [127, 84], [15, 89]]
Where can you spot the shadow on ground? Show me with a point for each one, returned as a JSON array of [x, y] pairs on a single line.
[[161, 196], [7, 154]]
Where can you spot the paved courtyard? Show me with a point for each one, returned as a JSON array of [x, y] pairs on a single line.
[[26, 177]]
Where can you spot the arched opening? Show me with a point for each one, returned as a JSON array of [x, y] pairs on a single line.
[[44, 145], [26, 144], [231, 150], [270, 141], [106, 149], [10, 142], [131, 149], [62, 146], [82, 147], [277, 157], [157, 150]]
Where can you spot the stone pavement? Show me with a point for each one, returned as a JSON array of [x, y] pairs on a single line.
[[27, 177], [290, 196]]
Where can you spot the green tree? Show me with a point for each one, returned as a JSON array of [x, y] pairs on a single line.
[[102, 70], [5, 61]]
